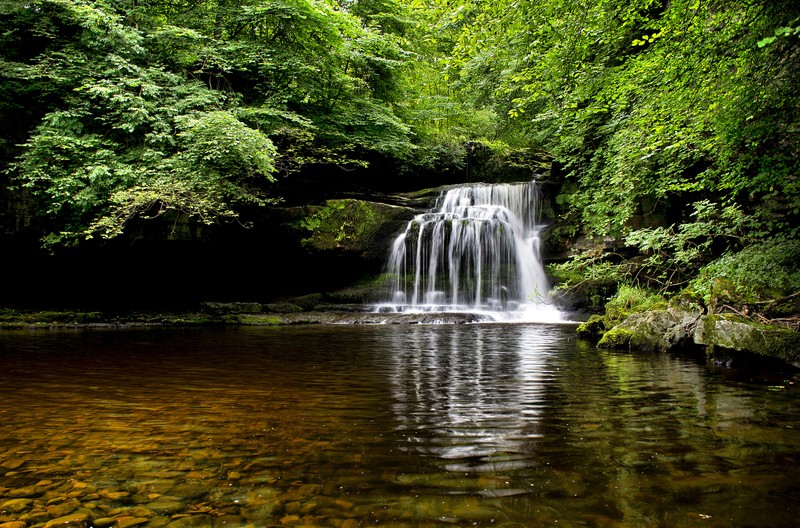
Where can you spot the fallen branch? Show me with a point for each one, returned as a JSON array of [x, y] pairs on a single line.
[[779, 299], [792, 323]]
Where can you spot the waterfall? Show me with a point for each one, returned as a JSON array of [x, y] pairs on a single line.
[[477, 250]]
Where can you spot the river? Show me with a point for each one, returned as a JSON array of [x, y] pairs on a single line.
[[387, 425]]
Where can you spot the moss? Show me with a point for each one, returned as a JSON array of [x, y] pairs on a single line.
[[723, 292], [745, 335], [593, 329], [12, 318], [629, 300], [622, 338], [283, 307], [190, 319], [255, 320], [628, 338], [350, 225]]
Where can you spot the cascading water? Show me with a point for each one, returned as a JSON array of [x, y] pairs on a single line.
[[477, 250]]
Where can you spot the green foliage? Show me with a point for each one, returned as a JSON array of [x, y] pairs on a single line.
[[140, 109], [759, 272], [339, 223], [629, 299], [588, 277], [677, 252], [589, 266], [782, 32], [646, 105], [117, 111]]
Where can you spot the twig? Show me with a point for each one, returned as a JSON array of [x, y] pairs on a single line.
[[780, 299]]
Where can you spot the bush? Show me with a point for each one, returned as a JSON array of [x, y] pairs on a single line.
[[757, 273], [630, 299]]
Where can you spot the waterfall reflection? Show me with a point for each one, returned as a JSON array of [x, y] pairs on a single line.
[[471, 396]]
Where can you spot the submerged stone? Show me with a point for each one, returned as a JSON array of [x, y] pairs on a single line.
[[16, 505], [165, 507], [229, 521], [13, 463], [189, 490], [74, 519], [127, 522], [194, 521]]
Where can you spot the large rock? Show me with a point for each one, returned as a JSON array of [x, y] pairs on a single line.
[[744, 335], [653, 330], [666, 329], [76, 519], [352, 226]]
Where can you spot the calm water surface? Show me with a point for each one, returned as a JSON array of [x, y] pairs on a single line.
[[344, 426]]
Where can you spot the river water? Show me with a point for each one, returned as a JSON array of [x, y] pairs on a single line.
[[387, 425]]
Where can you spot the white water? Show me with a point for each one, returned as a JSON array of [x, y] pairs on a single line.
[[478, 251]]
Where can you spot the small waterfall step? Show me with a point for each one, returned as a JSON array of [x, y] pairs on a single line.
[[478, 250]]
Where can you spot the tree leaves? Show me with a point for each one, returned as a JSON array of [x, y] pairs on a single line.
[[174, 106]]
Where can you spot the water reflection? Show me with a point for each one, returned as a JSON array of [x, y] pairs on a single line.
[[399, 426], [472, 396]]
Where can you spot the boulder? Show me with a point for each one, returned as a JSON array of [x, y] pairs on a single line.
[[593, 328], [744, 335], [662, 330], [653, 330]]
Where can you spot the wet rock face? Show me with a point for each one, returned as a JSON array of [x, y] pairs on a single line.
[[350, 226]]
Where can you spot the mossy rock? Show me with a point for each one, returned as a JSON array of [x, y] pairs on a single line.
[[352, 226], [593, 329], [619, 338], [744, 335], [282, 307], [232, 307], [307, 302], [630, 300], [688, 300], [652, 330], [12, 318], [254, 320], [724, 292]]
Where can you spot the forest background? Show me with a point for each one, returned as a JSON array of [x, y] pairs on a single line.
[[669, 128]]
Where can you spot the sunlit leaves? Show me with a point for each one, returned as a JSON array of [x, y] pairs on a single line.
[[219, 141], [193, 106]]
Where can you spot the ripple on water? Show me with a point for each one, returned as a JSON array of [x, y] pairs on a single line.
[[512, 425]]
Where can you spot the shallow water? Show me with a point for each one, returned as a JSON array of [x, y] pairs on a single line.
[[390, 425]]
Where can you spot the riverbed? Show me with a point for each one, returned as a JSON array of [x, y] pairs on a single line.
[[387, 425]]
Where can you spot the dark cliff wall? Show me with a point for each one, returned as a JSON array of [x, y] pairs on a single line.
[[332, 229]]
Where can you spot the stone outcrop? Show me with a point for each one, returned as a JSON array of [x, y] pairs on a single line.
[[357, 227], [663, 330], [653, 330], [737, 333]]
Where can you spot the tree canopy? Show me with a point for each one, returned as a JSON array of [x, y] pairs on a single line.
[[124, 109], [674, 124]]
